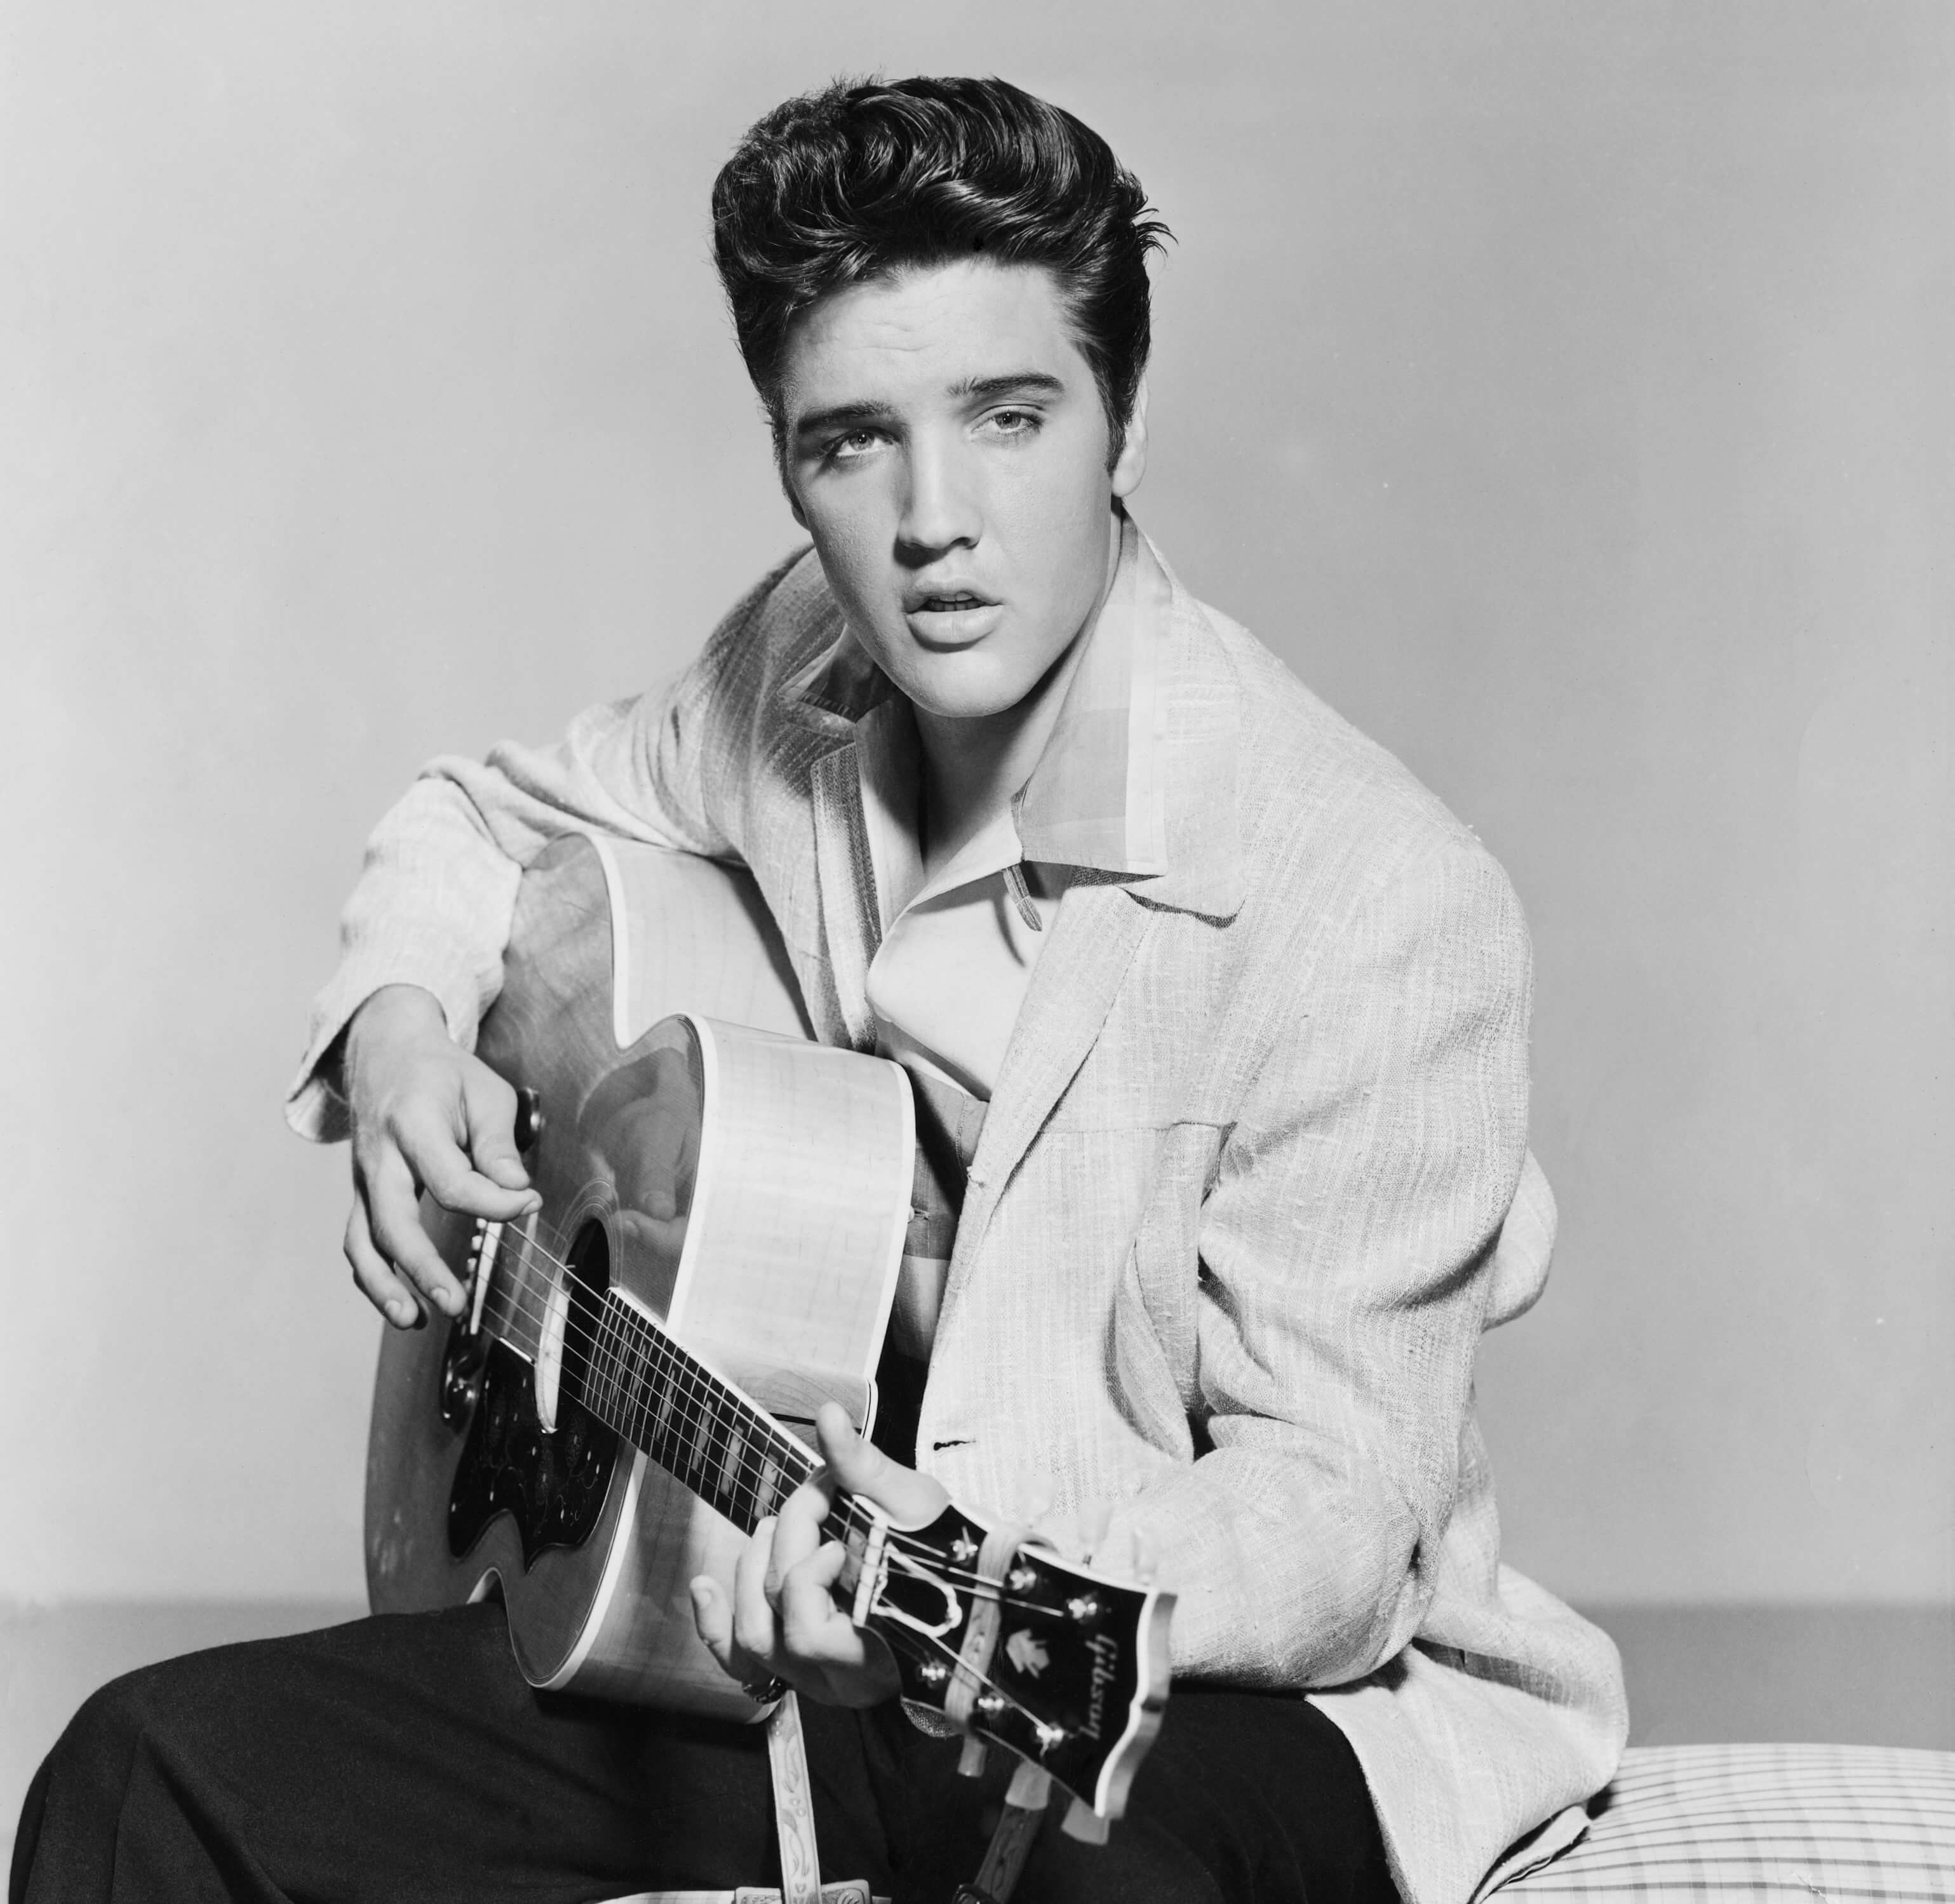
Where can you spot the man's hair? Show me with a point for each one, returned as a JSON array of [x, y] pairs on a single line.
[[861, 180]]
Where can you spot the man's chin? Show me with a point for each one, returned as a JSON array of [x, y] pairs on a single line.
[[963, 686]]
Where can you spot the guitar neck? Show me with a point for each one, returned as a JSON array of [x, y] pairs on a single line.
[[636, 1379]]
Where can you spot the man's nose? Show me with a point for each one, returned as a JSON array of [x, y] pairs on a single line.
[[940, 510]]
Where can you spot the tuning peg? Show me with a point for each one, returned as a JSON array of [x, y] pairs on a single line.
[[1083, 1823], [970, 1761]]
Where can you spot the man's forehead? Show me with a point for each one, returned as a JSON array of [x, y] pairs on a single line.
[[931, 332]]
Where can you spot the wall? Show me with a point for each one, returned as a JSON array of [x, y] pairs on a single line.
[[1564, 392]]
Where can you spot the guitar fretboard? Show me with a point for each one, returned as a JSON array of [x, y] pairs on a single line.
[[642, 1385], [623, 1366]]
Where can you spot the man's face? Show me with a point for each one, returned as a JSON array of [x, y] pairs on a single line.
[[946, 448]]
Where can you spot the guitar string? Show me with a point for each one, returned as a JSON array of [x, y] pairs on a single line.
[[717, 1450], [721, 1446], [592, 1342], [896, 1630], [610, 1334], [858, 1518], [659, 1342]]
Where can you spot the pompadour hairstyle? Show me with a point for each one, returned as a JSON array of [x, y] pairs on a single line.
[[860, 180]]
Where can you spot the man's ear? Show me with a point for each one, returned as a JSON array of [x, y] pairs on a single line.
[[1132, 463]]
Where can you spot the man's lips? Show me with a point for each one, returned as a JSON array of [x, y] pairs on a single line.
[[945, 600], [951, 618]]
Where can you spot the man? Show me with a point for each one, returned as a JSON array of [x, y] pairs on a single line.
[[1221, 1018]]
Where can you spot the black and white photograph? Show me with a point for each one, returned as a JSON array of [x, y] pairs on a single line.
[[992, 955]]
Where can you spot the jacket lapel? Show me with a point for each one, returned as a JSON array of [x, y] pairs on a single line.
[[1098, 931], [849, 923]]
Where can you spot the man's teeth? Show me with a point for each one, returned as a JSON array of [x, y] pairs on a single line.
[[945, 604]]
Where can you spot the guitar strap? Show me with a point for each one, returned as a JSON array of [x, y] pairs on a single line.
[[794, 1819], [793, 1805], [801, 1860]]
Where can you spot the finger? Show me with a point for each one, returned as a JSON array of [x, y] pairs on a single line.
[[753, 1631], [488, 1117], [909, 1498], [712, 1618], [813, 1630], [442, 1168], [797, 1533], [377, 1282], [852, 1667], [395, 1222]]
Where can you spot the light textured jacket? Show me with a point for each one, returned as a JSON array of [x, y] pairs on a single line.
[[1253, 1180]]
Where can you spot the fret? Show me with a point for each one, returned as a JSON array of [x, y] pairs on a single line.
[[627, 1379], [702, 1434], [596, 1367], [662, 1429], [730, 1463], [660, 1399], [616, 1382]]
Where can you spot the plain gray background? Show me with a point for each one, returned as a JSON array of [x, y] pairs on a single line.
[[1564, 390]]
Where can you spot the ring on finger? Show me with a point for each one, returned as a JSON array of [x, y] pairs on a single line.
[[765, 1692]]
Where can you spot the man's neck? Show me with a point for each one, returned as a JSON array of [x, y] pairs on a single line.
[[973, 768]]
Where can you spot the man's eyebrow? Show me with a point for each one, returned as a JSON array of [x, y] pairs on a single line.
[[842, 416], [1042, 381]]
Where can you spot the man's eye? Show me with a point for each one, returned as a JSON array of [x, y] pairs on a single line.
[[857, 442], [1014, 422]]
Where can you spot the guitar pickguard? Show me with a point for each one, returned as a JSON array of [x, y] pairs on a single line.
[[553, 1484]]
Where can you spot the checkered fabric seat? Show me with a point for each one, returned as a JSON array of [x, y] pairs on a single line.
[[1826, 1823]]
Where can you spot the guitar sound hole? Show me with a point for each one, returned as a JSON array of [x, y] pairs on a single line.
[[554, 1483]]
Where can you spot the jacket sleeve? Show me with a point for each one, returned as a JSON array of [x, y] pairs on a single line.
[[1349, 1247], [437, 891]]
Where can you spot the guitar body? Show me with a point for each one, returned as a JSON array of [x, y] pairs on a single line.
[[719, 1171]]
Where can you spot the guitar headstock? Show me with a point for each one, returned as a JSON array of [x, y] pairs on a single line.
[[1064, 1665]]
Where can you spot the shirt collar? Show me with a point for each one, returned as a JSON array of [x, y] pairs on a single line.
[[1137, 780]]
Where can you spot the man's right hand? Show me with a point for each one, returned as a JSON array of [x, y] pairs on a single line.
[[426, 1116]]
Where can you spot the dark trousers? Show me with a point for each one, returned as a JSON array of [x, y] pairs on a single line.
[[405, 1759]]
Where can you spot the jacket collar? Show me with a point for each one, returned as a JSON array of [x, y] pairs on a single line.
[[1137, 780]]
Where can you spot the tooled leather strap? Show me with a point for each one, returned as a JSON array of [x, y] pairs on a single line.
[[794, 1819], [1011, 1842], [793, 1805]]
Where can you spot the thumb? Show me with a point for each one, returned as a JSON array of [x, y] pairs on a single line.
[[488, 1108], [909, 1498]]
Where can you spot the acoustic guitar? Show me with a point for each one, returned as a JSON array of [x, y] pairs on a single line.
[[630, 1389]]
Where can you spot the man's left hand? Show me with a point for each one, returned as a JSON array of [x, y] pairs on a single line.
[[783, 1622]]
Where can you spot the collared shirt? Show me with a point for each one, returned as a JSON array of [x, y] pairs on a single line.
[[956, 952]]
